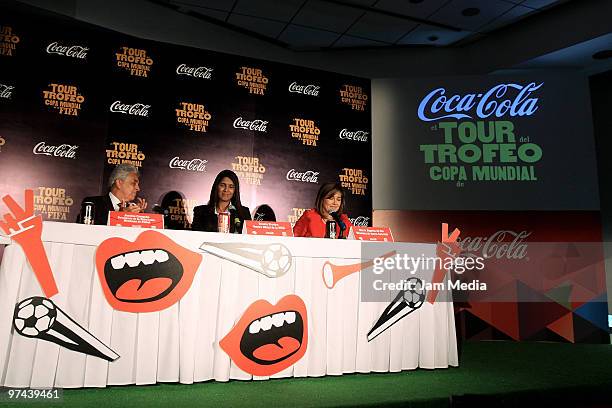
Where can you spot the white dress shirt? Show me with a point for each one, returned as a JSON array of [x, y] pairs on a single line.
[[115, 201]]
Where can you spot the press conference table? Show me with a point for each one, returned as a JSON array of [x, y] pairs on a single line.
[[181, 342]]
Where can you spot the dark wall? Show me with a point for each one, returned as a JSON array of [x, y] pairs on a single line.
[[601, 100]]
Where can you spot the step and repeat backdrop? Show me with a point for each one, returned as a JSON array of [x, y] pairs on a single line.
[[76, 100], [510, 161]]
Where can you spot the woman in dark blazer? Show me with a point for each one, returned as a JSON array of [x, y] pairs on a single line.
[[224, 197]]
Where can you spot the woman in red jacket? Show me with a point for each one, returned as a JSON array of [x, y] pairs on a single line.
[[330, 199]]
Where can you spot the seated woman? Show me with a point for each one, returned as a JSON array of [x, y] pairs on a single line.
[[224, 197], [330, 199]]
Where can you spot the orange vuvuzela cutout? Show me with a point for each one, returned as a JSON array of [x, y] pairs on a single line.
[[333, 273], [451, 249], [147, 275], [267, 339], [26, 229]]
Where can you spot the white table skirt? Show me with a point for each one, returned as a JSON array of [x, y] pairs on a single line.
[[181, 343]]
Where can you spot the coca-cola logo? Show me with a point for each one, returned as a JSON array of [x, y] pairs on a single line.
[[360, 221], [64, 150], [501, 244], [356, 135], [195, 164], [308, 89], [136, 109], [6, 91], [496, 102], [308, 176], [196, 72], [73, 51], [256, 125]]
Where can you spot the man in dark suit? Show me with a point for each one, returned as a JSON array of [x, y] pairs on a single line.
[[123, 186]]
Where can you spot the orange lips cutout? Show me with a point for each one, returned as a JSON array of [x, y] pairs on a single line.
[[268, 339], [147, 275]]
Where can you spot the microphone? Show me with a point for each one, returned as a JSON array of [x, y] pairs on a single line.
[[340, 223], [235, 220]]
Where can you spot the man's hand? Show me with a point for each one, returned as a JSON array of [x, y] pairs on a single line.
[[136, 207]]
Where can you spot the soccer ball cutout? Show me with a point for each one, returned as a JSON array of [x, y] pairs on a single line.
[[33, 316], [276, 260], [415, 295]]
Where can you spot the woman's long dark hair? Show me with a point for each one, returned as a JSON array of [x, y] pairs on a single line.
[[328, 190], [264, 213], [214, 195]]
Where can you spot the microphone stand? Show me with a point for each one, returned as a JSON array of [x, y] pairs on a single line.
[[340, 223]]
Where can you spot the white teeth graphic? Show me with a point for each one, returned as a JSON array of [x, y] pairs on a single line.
[[118, 262], [133, 259], [254, 327], [278, 319], [161, 255], [266, 323], [290, 317], [148, 257]]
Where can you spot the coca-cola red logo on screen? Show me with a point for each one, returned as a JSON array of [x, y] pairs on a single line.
[[188, 164], [256, 125], [304, 89], [356, 135], [136, 109], [64, 150], [196, 72], [73, 51], [308, 176], [501, 244]]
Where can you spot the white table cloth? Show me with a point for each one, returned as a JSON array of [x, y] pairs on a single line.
[[181, 343]]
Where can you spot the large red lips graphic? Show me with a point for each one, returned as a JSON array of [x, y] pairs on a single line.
[[268, 339], [147, 275]]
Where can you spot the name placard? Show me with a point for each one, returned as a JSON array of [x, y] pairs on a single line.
[[136, 220], [382, 234], [272, 228]]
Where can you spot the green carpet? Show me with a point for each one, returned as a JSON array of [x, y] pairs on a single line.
[[487, 368]]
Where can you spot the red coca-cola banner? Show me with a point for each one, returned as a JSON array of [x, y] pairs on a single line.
[[544, 271]]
